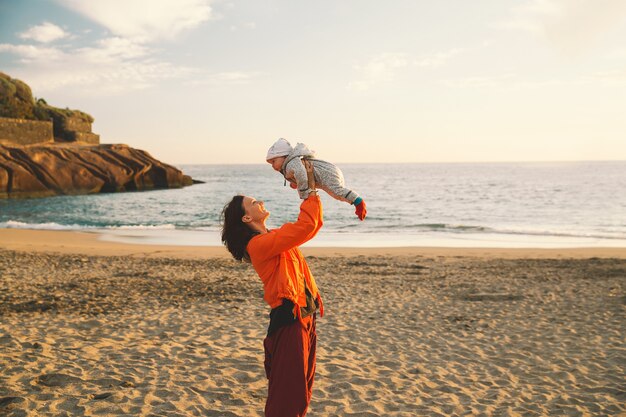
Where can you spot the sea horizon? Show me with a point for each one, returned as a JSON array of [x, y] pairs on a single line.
[[547, 161], [468, 204]]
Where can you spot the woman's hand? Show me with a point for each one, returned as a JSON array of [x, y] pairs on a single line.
[[310, 175]]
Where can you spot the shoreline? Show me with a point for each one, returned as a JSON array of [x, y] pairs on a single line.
[[172, 236], [93, 244]]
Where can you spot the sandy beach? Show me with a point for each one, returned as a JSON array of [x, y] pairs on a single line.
[[98, 328]]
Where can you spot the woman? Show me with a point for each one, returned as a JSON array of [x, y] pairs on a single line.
[[289, 289]]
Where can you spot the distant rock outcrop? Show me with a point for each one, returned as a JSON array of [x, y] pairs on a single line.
[[45, 151], [17, 102], [40, 171]]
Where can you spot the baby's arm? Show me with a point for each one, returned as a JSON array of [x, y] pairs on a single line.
[[292, 181], [295, 168]]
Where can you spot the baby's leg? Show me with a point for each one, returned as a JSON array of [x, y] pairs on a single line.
[[333, 183]]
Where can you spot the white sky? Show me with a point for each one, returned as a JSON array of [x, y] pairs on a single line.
[[212, 81]]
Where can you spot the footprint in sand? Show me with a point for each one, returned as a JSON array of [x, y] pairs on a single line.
[[492, 297], [6, 403], [101, 396], [57, 380]]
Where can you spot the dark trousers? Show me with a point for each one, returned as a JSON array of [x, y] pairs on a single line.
[[290, 368]]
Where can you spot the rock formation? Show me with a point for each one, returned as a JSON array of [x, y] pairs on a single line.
[[46, 170], [45, 151], [17, 102]]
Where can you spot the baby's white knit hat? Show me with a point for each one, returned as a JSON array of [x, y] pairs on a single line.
[[280, 148]]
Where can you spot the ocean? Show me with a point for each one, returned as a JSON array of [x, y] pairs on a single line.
[[560, 204]]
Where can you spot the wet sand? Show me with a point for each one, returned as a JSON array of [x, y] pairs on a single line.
[[87, 329]]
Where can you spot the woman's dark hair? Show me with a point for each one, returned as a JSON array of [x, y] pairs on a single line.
[[235, 233]]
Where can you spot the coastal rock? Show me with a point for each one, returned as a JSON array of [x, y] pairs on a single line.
[[24, 120], [46, 150], [75, 168]]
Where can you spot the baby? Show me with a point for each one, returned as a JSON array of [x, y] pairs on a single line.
[[287, 160]]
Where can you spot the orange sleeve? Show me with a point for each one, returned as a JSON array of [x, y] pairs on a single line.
[[289, 235], [320, 220]]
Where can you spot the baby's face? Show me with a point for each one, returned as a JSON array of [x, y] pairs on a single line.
[[277, 163]]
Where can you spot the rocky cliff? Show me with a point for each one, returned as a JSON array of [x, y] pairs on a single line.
[[46, 170], [45, 151], [17, 102]]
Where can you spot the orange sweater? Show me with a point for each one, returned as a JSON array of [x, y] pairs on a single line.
[[277, 259]]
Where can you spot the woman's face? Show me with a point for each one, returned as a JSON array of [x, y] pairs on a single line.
[[255, 210]]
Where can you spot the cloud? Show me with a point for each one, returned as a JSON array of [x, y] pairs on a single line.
[[44, 33], [384, 68], [480, 81], [609, 78], [113, 65], [87, 79], [436, 60], [617, 54], [531, 16], [222, 78], [380, 69], [573, 27], [113, 50], [244, 26], [124, 61], [32, 53], [516, 82], [110, 66], [143, 20]]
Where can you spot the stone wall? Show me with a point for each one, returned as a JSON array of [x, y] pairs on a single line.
[[76, 124], [86, 137], [74, 129], [25, 132]]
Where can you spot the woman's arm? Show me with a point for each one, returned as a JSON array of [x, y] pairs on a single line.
[[291, 235], [308, 166]]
